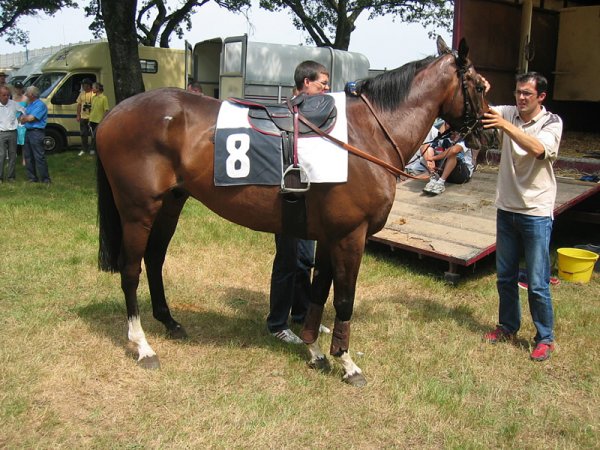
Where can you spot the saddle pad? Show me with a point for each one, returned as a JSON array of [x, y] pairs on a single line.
[[245, 156]]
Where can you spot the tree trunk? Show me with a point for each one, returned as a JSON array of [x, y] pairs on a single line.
[[119, 21], [343, 31]]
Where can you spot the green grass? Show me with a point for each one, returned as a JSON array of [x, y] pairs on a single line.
[[68, 379]]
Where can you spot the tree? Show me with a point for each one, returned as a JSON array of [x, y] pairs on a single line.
[[156, 20], [12, 10], [330, 23], [119, 21]]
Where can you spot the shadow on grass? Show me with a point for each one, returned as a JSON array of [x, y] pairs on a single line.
[[428, 266], [242, 324]]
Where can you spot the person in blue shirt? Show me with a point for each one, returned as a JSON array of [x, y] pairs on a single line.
[[34, 120]]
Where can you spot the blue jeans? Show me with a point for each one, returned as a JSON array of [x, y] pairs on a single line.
[[35, 155], [517, 234], [290, 281]]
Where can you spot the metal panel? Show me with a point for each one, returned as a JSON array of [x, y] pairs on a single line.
[[578, 57]]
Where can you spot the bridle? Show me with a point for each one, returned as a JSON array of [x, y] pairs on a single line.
[[470, 118]]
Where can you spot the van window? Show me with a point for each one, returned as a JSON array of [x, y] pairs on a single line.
[[69, 91], [149, 65], [47, 81], [31, 79], [233, 58]]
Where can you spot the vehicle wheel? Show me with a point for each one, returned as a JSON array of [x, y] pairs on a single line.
[[54, 141]]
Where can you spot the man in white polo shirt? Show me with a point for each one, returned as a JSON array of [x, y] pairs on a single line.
[[525, 197], [8, 133]]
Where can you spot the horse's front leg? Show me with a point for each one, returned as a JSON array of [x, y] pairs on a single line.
[[340, 348], [346, 259], [320, 287]]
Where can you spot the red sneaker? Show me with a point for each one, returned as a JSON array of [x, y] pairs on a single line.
[[499, 335], [542, 351]]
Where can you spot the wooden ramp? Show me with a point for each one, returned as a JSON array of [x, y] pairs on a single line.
[[458, 226]]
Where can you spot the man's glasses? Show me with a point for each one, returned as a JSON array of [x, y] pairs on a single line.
[[525, 94]]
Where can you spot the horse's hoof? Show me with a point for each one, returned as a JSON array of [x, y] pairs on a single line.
[[320, 364], [357, 380], [177, 332], [149, 362]]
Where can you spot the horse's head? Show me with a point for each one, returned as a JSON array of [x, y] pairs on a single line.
[[467, 104]]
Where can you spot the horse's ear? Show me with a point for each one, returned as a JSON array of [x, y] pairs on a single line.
[[442, 47], [463, 51]]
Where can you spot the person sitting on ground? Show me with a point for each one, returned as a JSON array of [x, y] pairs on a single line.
[[417, 166], [451, 157]]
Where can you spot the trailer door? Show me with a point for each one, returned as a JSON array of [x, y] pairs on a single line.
[[233, 67]]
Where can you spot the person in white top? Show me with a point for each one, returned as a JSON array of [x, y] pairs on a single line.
[[8, 133], [525, 197]]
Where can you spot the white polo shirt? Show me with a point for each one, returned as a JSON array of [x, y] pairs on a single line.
[[8, 115], [526, 184]]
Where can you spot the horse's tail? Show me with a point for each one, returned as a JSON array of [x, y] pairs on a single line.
[[109, 223]]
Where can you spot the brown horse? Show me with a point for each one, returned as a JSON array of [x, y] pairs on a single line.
[[156, 149]]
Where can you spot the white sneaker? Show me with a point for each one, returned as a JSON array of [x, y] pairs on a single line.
[[438, 188], [287, 336], [429, 185], [81, 153], [323, 329]]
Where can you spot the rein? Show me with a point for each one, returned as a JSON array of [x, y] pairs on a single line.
[[386, 132], [358, 152], [354, 150]]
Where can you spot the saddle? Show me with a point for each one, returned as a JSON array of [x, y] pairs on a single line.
[[282, 120], [273, 118]]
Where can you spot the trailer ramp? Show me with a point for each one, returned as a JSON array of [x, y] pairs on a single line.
[[458, 226]]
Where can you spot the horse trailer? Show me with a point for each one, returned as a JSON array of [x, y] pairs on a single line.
[[236, 67]]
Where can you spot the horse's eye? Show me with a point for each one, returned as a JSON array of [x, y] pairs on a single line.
[[480, 89]]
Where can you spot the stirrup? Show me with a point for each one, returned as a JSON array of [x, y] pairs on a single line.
[[301, 171]]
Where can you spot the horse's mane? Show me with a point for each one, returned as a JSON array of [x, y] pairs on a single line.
[[389, 89]]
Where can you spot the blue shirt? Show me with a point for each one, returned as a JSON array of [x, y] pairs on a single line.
[[39, 110]]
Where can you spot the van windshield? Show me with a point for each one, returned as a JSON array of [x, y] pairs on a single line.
[[47, 81], [30, 80]]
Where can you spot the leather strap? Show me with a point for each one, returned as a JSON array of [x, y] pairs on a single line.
[[385, 130], [312, 322]]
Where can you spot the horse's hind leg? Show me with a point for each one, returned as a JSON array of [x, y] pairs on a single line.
[[135, 237], [162, 231]]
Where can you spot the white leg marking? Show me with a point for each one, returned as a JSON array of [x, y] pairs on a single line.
[[315, 352], [349, 367], [137, 336]]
